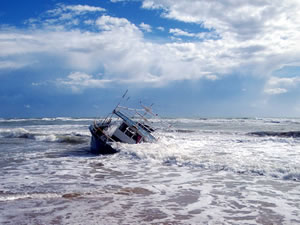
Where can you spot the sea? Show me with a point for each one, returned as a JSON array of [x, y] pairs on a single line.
[[200, 171]]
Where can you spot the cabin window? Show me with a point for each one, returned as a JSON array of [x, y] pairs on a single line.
[[137, 137], [123, 127], [129, 132]]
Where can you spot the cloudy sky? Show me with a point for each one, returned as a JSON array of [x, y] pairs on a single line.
[[195, 58]]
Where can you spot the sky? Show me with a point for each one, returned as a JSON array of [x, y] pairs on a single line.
[[191, 58]]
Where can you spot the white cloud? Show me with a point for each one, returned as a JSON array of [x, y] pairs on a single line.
[[244, 19], [6, 64], [161, 28], [114, 1], [280, 85], [75, 9], [179, 32], [83, 8], [254, 38], [145, 27], [152, 5], [64, 15], [275, 91], [113, 23], [274, 25], [203, 35], [78, 81], [89, 22], [286, 81]]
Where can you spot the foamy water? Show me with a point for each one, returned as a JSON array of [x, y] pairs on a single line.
[[201, 171]]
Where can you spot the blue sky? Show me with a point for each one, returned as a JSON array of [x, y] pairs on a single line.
[[195, 58]]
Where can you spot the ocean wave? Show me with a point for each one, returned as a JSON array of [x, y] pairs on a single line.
[[179, 131], [201, 153], [67, 119], [16, 120], [284, 134], [71, 138], [292, 176], [16, 133], [13, 197], [2, 120]]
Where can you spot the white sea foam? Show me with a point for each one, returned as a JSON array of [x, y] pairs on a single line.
[[13, 197], [43, 135], [15, 133], [46, 119], [49, 138], [206, 171], [67, 119], [246, 155], [16, 120]]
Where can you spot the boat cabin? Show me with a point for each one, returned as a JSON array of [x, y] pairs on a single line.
[[127, 134], [132, 129], [131, 132]]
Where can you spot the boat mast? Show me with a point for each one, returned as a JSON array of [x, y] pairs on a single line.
[[109, 116]]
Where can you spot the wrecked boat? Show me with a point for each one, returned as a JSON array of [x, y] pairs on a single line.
[[125, 125]]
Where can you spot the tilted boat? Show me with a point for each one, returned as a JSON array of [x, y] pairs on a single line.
[[125, 125]]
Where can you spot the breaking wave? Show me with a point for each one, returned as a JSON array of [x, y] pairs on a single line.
[[71, 138], [292, 174], [285, 134], [13, 196], [196, 152], [180, 131], [46, 119]]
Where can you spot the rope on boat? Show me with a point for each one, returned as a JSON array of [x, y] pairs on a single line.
[[108, 137]]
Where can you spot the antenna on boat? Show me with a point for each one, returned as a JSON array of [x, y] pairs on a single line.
[[109, 116], [123, 96], [148, 109]]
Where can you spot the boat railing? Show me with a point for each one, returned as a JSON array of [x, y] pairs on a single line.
[[107, 119], [97, 128], [132, 123], [134, 113]]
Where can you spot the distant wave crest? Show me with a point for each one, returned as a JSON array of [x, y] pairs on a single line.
[[2, 120], [285, 134], [72, 138]]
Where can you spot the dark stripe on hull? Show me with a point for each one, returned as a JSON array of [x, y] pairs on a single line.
[[100, 147]]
